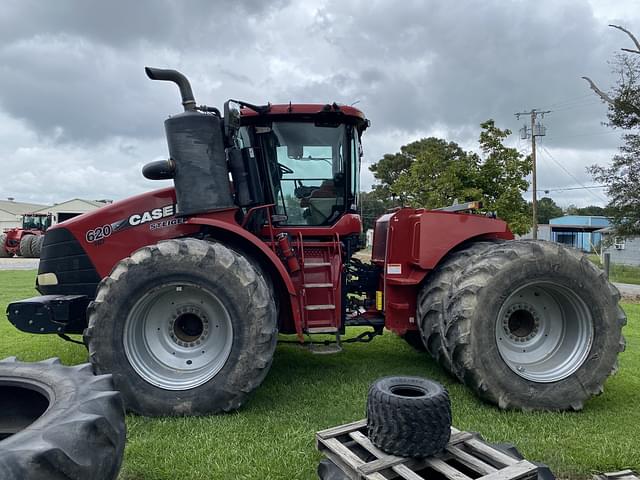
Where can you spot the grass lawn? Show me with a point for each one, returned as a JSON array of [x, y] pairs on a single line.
[[620, 273], [273, 435]]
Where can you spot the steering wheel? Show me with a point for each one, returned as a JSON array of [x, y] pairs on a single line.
[[284, 169]]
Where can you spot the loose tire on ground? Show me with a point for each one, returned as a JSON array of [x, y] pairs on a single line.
[[3, 243], [408, 416], [58, 422], [25, 246], [187, 327], [533, 325], [433, 299]]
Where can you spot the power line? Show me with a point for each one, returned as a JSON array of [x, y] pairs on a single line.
[[568, 100], [564, 189], [597, 197]]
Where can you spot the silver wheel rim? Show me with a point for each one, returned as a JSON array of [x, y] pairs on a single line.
[[178, 336], [544, 332]]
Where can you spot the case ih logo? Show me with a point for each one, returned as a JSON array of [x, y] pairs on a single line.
[[151, 215], [99, 234]]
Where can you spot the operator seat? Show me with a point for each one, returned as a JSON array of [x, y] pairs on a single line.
[[321, 202]]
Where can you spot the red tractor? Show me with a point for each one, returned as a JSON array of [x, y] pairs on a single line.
[[181, 292], [25, 241]]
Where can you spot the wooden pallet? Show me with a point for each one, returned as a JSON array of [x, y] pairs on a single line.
[[621, 475], [466, 457]]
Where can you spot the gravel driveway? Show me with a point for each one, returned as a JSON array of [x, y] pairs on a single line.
[[18, 263]]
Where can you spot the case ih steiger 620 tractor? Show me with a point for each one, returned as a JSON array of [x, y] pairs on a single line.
[[181, 292]]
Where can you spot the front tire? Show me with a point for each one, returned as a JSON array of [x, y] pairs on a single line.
[[534, 326], [187, 327]]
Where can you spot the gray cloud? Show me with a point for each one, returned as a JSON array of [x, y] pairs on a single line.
[[73, 94]]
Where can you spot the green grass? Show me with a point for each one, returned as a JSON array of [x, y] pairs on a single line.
[[620, 273], [273, 435]]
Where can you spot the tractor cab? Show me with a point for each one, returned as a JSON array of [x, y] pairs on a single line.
[[310, 157], [36, 221]]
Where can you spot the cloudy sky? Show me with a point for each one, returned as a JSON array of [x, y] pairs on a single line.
[[78, 117]]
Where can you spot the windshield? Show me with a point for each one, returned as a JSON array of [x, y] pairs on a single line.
[[36, 222], [307, 167]]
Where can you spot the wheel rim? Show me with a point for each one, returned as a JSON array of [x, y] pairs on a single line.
[[178, 336], [544, 332]]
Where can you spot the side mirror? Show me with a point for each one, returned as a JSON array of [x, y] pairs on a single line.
[[159, 170]]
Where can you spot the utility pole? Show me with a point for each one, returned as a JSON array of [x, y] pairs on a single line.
[[537, 130]]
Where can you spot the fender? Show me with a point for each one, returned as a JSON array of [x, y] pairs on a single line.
[[415, 242], [266, 257]]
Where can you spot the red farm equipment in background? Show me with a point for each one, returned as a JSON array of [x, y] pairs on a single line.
[[25, 241]]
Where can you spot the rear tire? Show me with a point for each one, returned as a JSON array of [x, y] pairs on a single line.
[[187, 327], [533, 325], [413, 338], [433, 300], [3, 248], [25, 246]]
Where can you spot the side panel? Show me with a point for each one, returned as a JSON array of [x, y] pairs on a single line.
[[113, 232], [417, 240]]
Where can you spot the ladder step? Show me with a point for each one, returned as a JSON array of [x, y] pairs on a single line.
[[328, 306], [322, 330], [318, 285], [316, 264]]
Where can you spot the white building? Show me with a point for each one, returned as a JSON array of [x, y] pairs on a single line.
[[71, 208], [11, 213]]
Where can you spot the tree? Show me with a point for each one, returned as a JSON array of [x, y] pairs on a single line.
[[433, 173], [547, 209], [440, 173], [502, 178], [622, 177], [372, 206]]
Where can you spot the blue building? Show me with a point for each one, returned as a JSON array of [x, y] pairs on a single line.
[[578, 231]]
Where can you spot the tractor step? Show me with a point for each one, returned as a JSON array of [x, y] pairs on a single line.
[[318, 285], [312, 330], [328, 306], [316, 265]]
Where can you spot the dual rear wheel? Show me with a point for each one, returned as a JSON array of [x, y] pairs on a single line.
[[526, 324]]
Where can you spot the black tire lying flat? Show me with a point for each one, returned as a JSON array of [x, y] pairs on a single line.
[[433, 299], [187, 327], [3, 241], [533, 325], [408, 416], [59, 422]]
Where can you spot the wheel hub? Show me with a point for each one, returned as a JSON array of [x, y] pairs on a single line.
[[189, 326], [521, 322]]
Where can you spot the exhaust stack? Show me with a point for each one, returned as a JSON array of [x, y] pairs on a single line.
[[188, 100], [197, 161]]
